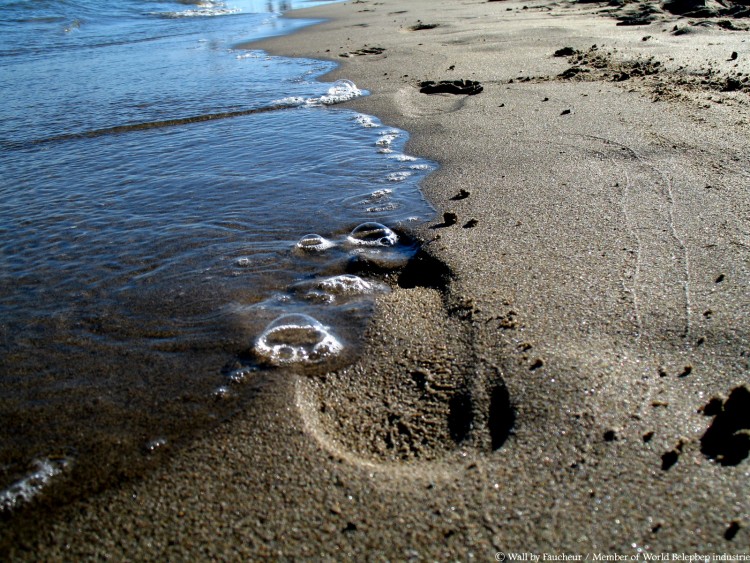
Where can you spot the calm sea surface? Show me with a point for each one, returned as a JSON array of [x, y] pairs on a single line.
[[155, 183]]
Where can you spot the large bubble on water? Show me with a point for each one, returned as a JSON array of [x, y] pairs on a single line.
[[314, 243], [296, 339], [373, 234]]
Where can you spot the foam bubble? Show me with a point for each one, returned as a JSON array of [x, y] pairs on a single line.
[[241, 375], [345, 283], [314, 243], [386, 139], [27, 488], [290, 101], [296, 339], [206, 9], [403, 157], [421, 167], [331, 289], [373, 234], [156, 444], [243, 262], [378, 194], [397, 176], [222, 392], [366, 121], [341, 91], [382, 208], [253, 55]]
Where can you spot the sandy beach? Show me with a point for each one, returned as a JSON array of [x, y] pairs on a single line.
[[563, 369]]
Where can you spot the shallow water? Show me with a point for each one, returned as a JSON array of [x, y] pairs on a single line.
[[155, 184]]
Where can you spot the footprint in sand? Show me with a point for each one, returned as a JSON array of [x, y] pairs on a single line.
[[366, 50], [416, 393], [416, 105]]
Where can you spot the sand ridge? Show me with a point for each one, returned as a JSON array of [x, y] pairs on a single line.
[[543, 377]]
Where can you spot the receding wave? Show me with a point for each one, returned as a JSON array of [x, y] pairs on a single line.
[[143, 126], [341, 91]]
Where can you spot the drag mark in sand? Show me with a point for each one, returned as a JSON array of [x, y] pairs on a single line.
[[637, 270], [683, 257], [661, 280]]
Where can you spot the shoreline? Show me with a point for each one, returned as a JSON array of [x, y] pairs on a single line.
[[542, 380]]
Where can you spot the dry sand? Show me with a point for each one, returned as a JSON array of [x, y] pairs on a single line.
[[545, 378]]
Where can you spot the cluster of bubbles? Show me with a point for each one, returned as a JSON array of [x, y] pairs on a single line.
[[299, 338], [385, 141]]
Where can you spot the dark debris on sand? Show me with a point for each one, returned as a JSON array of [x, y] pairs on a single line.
[[419, 26], [364, 51], [468, 87], [727, 440], [635, 12], [702, 9], [603, 64]]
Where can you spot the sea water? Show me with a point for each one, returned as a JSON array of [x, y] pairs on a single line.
[[178, 216]]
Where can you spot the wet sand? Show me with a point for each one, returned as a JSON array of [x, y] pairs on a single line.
[[561, 370]]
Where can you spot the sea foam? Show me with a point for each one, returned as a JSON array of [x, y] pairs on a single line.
[[341, 91], [25, 489]]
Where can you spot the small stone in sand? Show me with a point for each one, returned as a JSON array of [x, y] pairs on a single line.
[[732, 530], [449, 218], [669, 459]]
